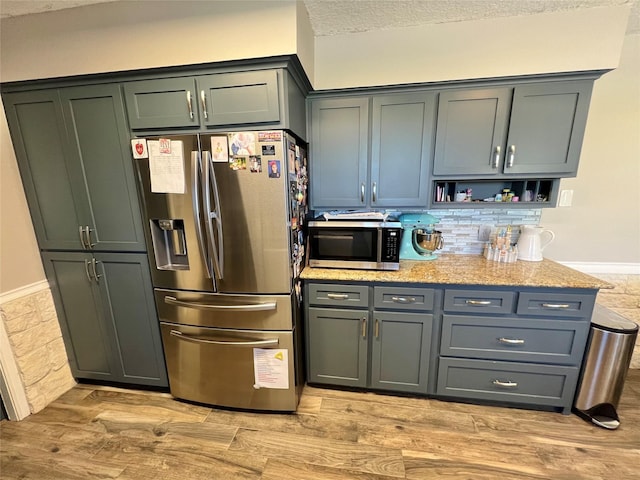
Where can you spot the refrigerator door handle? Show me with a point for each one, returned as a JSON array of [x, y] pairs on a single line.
[[252, 343], [249, 307], [209, 184], [195, 198]]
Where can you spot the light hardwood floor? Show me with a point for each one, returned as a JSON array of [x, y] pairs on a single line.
[[108, 433]]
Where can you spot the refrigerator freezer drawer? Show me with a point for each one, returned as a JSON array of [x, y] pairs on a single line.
[[218, 367], [250, 312]]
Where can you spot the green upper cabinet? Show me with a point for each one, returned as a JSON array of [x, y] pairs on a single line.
[[39, 138], [401, 139], [267, 98], [102, 165], [162, 103], [339, 152], [72, 147], [532, 129], [239, 98], [371, 151]]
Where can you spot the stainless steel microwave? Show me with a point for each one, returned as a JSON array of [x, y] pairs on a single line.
[[360, 244]]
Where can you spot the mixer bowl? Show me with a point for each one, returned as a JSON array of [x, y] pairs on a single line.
[[425, 243]]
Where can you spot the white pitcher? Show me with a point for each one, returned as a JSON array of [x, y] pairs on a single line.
[[531, 244]]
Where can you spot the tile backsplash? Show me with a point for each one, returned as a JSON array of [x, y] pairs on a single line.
[[460, 227]]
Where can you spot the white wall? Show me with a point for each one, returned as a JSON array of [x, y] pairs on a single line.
[[603, 223], [589, 39]]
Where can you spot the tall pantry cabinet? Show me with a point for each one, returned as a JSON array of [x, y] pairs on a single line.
[[72, 147]]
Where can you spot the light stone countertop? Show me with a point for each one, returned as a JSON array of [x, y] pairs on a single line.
[[467, 270]]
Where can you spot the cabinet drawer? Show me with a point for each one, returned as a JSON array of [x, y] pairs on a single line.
[[399, 298], [338, 295], [556, 304], [541, 341], [479, 301], [507, 382]]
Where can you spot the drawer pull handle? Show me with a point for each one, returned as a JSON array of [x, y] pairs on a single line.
[[337, 296], [507, 384], [555, 305], [478, 302], [404, 299], [511, 341]]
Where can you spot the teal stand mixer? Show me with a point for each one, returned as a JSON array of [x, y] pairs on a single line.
[[420, 239]]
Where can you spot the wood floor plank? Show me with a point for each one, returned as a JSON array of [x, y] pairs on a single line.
[[280, 470], [176, 452], [34, 464], [349, 456], [310, 425], [146, 404], [374, 415]]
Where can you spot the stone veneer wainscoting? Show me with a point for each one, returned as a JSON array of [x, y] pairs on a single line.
[[34, 335]]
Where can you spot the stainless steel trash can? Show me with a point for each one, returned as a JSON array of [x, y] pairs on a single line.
[[604, 369]]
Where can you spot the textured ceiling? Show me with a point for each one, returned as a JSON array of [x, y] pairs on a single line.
[[332, 17]]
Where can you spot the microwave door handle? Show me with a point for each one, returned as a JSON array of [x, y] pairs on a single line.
[[195, 199], [379, 249], [208, 185]]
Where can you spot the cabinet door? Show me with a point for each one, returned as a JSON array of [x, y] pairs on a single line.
[[470, 133], [239, 98], [337, 346], [547, 128], [38, 133], [162, 103], [89, 343], [339, 152], [102, 166], [130, 313], [402, 131], [400, 351]]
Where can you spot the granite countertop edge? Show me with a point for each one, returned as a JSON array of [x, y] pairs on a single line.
[[452, 269]]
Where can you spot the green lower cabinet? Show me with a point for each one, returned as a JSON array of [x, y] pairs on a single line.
[[337, 342], [107, 314], [400, 351], [367, 347]]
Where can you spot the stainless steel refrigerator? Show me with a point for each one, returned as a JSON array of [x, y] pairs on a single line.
[[225, 214]]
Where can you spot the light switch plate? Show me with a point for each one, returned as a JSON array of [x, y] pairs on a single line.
[[566, 198]]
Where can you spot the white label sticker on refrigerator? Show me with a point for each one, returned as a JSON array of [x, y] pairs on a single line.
[[166, 169], [271, 368]]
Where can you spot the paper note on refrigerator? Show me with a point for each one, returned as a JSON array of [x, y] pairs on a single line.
[[166, 169], [271, 368]]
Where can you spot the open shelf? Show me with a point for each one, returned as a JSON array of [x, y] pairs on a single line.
[[531, 193]]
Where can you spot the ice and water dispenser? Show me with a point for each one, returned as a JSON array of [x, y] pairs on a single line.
[[169, 244]]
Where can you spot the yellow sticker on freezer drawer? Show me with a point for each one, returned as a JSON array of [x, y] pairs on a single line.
[[271, 368]]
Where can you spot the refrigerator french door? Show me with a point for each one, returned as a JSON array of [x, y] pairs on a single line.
[[224, 214]]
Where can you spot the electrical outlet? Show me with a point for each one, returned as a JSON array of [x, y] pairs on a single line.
[[566, 198], [484, 233]]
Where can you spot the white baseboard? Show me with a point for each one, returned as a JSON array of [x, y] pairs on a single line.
[[605, 268], [23, 291]]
